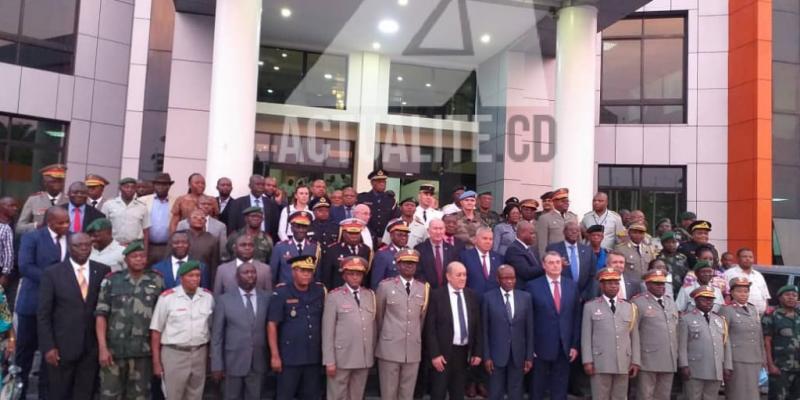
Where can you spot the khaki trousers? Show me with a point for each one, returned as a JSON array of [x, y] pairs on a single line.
[[397, 379], [702, 389], [654, 385], [184, 372], [609, 386], [347, 384]]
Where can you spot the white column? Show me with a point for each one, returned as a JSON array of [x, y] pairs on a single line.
[[373, 101], [573, 165], [234, 81]]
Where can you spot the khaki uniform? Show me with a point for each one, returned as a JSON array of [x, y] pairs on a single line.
[[111, 255], [32, 214], [705, 349], [185, 326], [128, 221], [747, 350], [636, 260], [400, 318], [348, 341], [550, 227], [658, 337], [611, 342]]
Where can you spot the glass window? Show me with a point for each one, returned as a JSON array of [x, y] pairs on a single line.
[[39, 34], [786, 113], [305, 154], [302, 78], [643, 79], [432, 92]]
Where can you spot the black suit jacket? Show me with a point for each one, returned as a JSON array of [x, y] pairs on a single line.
[[91, 215], [426, 268], [272, 215], [526, 262], [225, 214], [65, 320], [439, 325], [588, 265]]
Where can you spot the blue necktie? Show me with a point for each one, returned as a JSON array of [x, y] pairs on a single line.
[[573, 262], [462, 319]]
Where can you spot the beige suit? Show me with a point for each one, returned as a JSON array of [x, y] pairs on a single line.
[[611, 342], [704, 348], [400, 319], [348, 341], [550, 228], [32, 214], [658, 339], [636, 260], [747, 350]]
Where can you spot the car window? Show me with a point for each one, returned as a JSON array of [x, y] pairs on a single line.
[[775, 282]]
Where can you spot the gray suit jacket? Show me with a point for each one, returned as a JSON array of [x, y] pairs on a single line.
[[225, 279], [745, 335], [704, 346], [610, 340], [239, 340], [400, 320], [658, 333]]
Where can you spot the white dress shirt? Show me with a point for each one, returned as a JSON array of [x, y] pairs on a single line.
[[510, 300], [175, 264], [62, 242], [252, 299], [457, 339]]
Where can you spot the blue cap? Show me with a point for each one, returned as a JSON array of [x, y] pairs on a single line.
[[467, 194]]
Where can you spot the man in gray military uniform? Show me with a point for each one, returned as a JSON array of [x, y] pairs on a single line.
[[609, 339], [32, 214], [401, 305], [658, 334], [550, 225], [637, 254], [704, 352], [348, 333]]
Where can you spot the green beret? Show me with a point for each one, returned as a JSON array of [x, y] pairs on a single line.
[[668, 236], [100, 224], [788, 288], [687, 215], [136, 245], [125, 181], [250, 210], [700, 264], [188, 266]]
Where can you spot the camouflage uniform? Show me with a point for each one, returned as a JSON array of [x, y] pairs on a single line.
[[785, 333], [262, 245], [678, 265], [128, 306], [467, 228], [491, 217]]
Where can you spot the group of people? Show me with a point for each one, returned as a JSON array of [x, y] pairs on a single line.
[[146, 295]]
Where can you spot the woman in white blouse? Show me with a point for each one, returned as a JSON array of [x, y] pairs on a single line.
[[299, 203]]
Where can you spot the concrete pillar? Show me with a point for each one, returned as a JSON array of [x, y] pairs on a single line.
[[234, 81], [575, 108], [372, 73]]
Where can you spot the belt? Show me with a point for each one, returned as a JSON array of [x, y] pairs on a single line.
[[184, 348]]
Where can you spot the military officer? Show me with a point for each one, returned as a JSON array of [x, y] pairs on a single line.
[[677, 263], [782, 343], [382, 206], [32, 214], [350, 244], [747, 342], [550, 225], [384, 266], [324, 231], [294, 332], [179, 335], [491, 217], [681, 233], [400, 314], [704, 352], [469, 220], [124, 309], [699, 230], [417, 229], [253, 216], [528, 209], [657, 319], [105, 249], [296, 245], [637, 254], [425, 211], [610, 339], [348, 333], [704, 272], [95, 185]]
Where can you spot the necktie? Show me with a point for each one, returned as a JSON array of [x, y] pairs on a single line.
[[661, 303], [347, 213], [425, 215], [462, 319], [508, 307], [52, 201], [82, 282], [94, 203], [355, 296], [485, 270], [573, 263], [76, 224], [58, 246], [248, 297], [613, 307], [408, 288], [299, 247], [744, 308], [179, 267], [637, 250], [557, 296], [708, 320], [437, 264], [352, 250]]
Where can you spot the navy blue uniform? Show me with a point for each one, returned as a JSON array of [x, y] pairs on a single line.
[[383, 266], [328, 269], [325, 233], [284, 251], [298, 315], [382, 209]]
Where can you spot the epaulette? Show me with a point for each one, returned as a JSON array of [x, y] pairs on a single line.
[[330, 246], [108, 275], [282, 284], [285, 241], [637, 295], [168, 292], [208, 291], [157, 272]]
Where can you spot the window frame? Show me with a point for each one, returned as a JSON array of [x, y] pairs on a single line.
[[641, 103], [399, 110], [684, 194]]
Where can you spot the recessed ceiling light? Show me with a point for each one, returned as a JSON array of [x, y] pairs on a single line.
[[402, 2], [399, 78], [260, 63], [286, 12], [403, 103], [428, 84], [328, 76], [269, 90], [284, 55], [485, 38], [276, 68], [388, 26], [376, 45]]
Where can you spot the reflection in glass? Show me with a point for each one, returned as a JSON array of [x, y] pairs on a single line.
[[38, 34], [622, 73], [302, 78], [432, 92]]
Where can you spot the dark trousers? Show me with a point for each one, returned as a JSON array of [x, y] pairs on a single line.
[[552, 376], [454, 377], [504, 380], [305, 379], [27, 344], [73, 379]]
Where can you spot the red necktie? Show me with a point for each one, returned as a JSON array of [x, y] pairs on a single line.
[[437, 264], [557, 296], [76, 225], [485, 270]]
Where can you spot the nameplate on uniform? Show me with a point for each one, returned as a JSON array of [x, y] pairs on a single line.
[[292, 301]]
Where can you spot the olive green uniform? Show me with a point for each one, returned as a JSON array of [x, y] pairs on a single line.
[[262, 245], [785, 333]]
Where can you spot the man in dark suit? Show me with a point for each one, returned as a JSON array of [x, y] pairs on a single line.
[[67, 300], [39, 250], [80, 215], [579, 259], [431, 265], [224, 188], [179, 254], [239, 350], [453, 344], [344, 211], [350, 245], [256, 198], [382, 206], [523, 255], [556, 338], [507, 321], [450, 230], [481, 262]]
